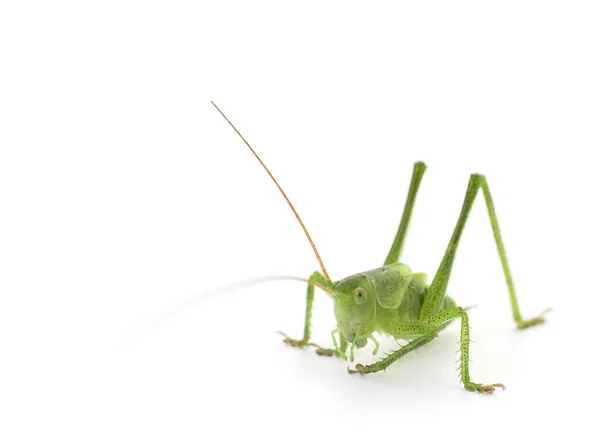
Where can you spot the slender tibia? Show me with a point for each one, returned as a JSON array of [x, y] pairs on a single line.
[[442, 318], [428, 328], [310, 295], [393, 357], [437, 290], [396, 249], [464, 359]]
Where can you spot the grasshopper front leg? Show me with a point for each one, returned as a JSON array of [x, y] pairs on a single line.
[[310, 295], [301, 343]]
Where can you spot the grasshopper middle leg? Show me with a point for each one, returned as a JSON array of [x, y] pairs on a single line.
[[428, 329]]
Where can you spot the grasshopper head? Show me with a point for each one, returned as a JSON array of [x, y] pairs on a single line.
[[355, 307]]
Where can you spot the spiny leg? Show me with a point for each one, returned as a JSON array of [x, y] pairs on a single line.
[[424, 333], [393, 357], [394, 254], [428, 328], [464, 359], [437, 289], [443, 317], [301, 343], [310, 294]]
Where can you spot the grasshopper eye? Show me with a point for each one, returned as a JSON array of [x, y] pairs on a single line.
[[360, 296]]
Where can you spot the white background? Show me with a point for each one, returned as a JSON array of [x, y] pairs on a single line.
[[125, 197]]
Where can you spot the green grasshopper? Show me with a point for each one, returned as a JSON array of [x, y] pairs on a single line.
[[394, 301]]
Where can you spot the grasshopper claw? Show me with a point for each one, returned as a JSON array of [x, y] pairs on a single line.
[[292, 342], [489, 389], [358, 368], [325, 351], [521, 325], [322, 351], [328, 351]]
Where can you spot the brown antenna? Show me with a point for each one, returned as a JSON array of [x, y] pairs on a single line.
[[282, 192]]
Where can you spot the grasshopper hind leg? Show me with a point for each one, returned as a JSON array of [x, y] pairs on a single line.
[[437, 289]]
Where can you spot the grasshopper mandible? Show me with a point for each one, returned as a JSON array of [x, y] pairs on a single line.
[[394, 301]]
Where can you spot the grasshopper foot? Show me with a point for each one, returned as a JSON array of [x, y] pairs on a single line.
[[358, 369], [328, 351], [531, 322], [293, 342], [481, 388]]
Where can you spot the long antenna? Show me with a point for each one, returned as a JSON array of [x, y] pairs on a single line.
[[312, 244], [202, 298]]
